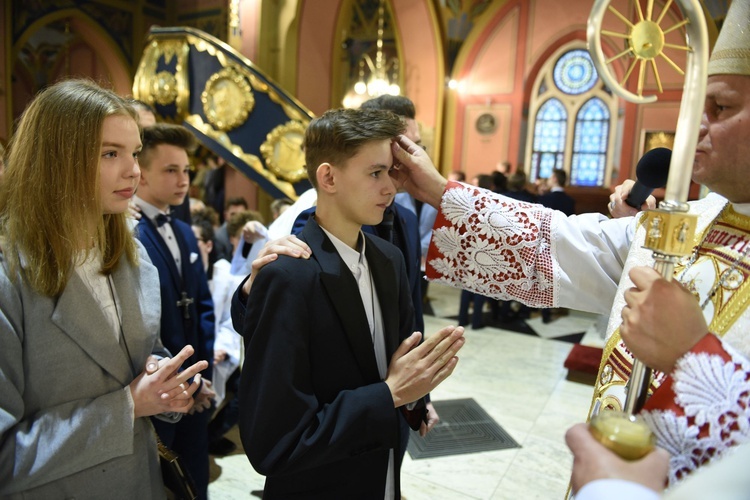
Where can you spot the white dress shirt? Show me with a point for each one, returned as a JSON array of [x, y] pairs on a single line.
[[357, 264]]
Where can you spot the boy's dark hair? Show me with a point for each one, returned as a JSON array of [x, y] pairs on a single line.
[[499, 182], [237, 200], [202, 221], [484, 181], [278, 203], [517, 181], [208, 213], [399, 104], [166, 133], [338, 134], [561, 176]]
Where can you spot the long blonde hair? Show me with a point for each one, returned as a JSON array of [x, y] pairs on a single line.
[[50, 192]]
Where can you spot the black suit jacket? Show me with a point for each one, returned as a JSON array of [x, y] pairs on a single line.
[[315, 417], [559, 200], [406, 225]]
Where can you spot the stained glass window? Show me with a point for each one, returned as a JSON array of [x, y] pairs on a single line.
[[549, 138], [574, 72], [590, 142], [571, 120]]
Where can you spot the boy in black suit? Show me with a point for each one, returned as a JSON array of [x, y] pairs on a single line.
[[321, 407], [187, 311]]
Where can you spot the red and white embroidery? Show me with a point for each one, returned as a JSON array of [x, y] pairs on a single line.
[[494, 246], [709, 410]]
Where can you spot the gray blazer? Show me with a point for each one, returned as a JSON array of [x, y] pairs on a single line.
[[66, 427]]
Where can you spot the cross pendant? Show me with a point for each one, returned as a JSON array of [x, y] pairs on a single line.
[[185, 302]]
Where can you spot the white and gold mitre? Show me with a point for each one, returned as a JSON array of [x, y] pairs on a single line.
[[731, 54]]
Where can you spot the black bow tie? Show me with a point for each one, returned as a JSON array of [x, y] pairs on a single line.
[[162, 219]]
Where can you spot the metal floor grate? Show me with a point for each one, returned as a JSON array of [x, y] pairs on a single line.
[[464, 427]]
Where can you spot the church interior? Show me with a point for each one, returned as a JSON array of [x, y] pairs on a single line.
[[493, 82]]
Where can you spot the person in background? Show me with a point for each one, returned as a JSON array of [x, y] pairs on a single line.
[[404, 107], [196, 205], [504, 167], [557, 199], [146, 118], [278, 206], [483, 181], [214, 191], [457, 175], [499, 182], [81, 364], [187, 311], [517, 188], [222, 244], [227, 342], [146, 113], [541, 185]]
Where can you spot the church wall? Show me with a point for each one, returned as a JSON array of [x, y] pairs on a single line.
[[489, 91], [496, 68], [316, 52], [423, 65]]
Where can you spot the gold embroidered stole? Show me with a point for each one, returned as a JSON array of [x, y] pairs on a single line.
[[722, 257]]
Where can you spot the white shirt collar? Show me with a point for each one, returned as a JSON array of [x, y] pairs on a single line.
[[148, 209], [351, 257]]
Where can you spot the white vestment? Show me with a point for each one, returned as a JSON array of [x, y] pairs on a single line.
[[502, 248]]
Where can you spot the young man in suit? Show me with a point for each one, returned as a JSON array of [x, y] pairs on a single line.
[[556, 198], [333, 374], [187, 312]]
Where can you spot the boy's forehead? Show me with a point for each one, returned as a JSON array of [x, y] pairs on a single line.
[[376, 151]]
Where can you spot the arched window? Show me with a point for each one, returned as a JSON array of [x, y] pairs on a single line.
[[590, 144], [572, 116], [549, 138]]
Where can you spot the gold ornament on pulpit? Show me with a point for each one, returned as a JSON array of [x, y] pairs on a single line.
[[282, 151], [227, 98]]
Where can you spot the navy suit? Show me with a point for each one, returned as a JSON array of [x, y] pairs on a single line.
[[315, 417], [558, 200], [405, 225], [188, 437]]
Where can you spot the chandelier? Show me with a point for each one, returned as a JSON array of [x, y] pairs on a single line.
[[376, 77]]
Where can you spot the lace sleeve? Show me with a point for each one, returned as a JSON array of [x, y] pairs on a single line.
[[702, 409], [493, 246]]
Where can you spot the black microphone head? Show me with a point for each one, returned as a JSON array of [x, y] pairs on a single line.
[[653, 168]]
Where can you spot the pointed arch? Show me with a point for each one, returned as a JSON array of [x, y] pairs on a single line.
[[569, 79], [95, 37], [588, 162], [549, 138]]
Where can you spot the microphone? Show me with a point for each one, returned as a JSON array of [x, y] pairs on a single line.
[[651, 173]]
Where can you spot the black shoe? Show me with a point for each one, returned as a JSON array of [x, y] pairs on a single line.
[[221, 447]]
